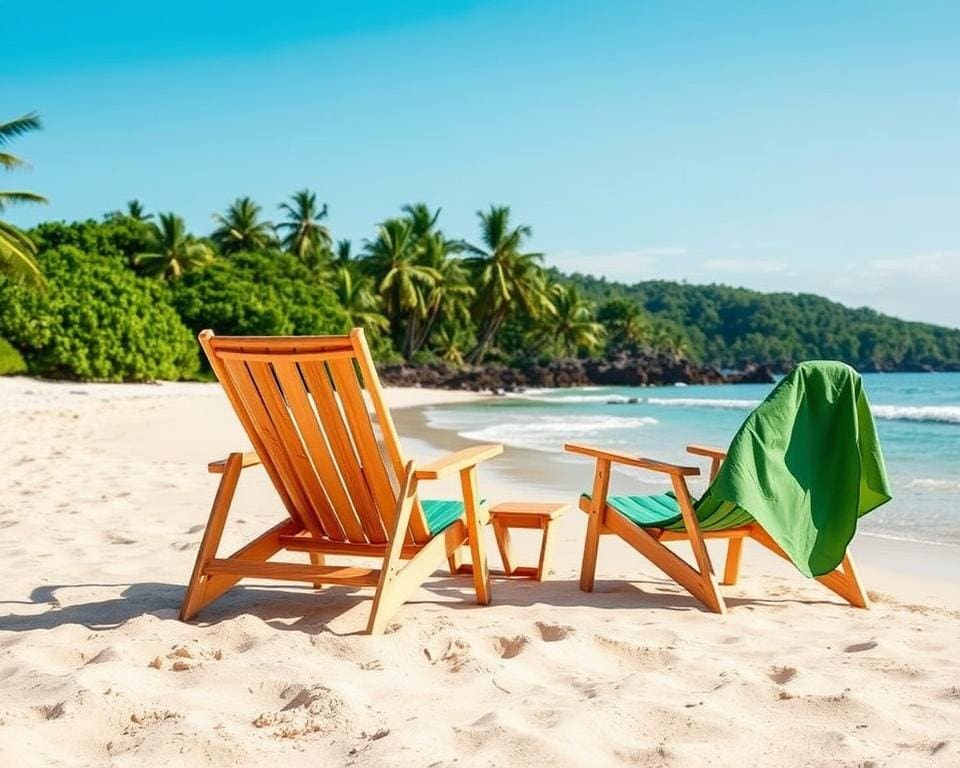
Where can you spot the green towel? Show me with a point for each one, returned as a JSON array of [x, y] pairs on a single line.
[[806, 464]]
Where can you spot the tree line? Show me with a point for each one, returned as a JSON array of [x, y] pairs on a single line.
[[121, 298]]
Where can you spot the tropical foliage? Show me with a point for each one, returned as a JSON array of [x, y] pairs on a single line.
[[17, 251], [127, 294], [240, 228], [306, 238], [96, 320], [172, 252]]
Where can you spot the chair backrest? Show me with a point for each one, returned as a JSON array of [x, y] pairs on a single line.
[[300, 400]]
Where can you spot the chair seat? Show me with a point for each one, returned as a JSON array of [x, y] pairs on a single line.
[[663, 511], [441, 513]]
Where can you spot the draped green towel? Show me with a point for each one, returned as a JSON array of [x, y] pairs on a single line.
[[806, 465]]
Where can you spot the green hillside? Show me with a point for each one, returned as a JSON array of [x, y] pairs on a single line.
[[732, 326]]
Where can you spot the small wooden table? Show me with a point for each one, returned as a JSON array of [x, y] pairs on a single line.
[[525, 514]]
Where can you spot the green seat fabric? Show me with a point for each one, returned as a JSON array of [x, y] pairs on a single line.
[[441, 513], [805, 465], [663, 511]]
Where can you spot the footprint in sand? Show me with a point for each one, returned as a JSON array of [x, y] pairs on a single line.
[[858, 647], [782, 675], [551, 633], [508, 647]]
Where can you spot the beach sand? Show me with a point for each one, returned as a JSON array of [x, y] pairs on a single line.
[[105, 494]]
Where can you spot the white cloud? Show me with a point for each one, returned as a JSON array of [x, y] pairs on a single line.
[[920, 286], [747, 266], [628, 265]]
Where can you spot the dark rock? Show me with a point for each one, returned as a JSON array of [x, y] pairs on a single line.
[[619, 370]]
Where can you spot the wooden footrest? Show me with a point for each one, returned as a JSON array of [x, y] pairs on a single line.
[[525, 514]]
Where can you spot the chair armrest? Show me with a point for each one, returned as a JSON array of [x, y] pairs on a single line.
[[706, 450], [453, 462], [633, 461], [250, 459]]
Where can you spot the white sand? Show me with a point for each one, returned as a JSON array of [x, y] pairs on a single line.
[[104, 497]]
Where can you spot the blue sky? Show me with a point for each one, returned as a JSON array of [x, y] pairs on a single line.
[[782, 146]]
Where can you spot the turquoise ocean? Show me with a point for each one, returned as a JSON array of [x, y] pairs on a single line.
[[917, 415]]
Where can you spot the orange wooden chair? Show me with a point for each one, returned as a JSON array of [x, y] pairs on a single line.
[[302, 405]]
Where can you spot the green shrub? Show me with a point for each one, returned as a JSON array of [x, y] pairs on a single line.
[[258, 294], [96, 321], [11, 362], [121, 238]]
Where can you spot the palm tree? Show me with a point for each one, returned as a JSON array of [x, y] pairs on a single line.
[[446, 344], [450, 295], [241, 229], [304, 232], [508, 278], [135, 211], [421, 218], [341, 254], [401, 281], [17, 251], [357, 296], [626, 324], [570, 328], [173, 251]]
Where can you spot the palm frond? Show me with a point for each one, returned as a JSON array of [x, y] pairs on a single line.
[[19, 126], [19, 198], [18, 255]]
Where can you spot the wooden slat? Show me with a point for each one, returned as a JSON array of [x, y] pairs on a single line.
[[280, 343], [299, 357], [520, 520], [454, 462], [335, 428], [206, 339], [418, 525], [327, 574], [250, 459], [728, 533], [319, 450], [292, 445], [618, 457], [548, 509], [377, 520], [263, 547], [273, 448], [327, 547]]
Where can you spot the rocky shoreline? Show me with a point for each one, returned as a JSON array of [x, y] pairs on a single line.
[[624, 370]]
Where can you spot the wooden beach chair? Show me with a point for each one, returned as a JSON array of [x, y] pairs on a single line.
[[808, 465], [301, 402]]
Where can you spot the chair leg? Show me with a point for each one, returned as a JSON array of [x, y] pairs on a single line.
[[711, 593], [502, 535], [731, 571], [387, 600], [478, 553], [545, 545], [843, 581], [453, 562], [193, 598], [317, 558], [591, 544]]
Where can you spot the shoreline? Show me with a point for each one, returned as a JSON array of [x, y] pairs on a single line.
[[894, 564]]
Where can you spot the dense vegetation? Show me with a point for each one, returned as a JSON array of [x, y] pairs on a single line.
[[731, 327], [122, 299]]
